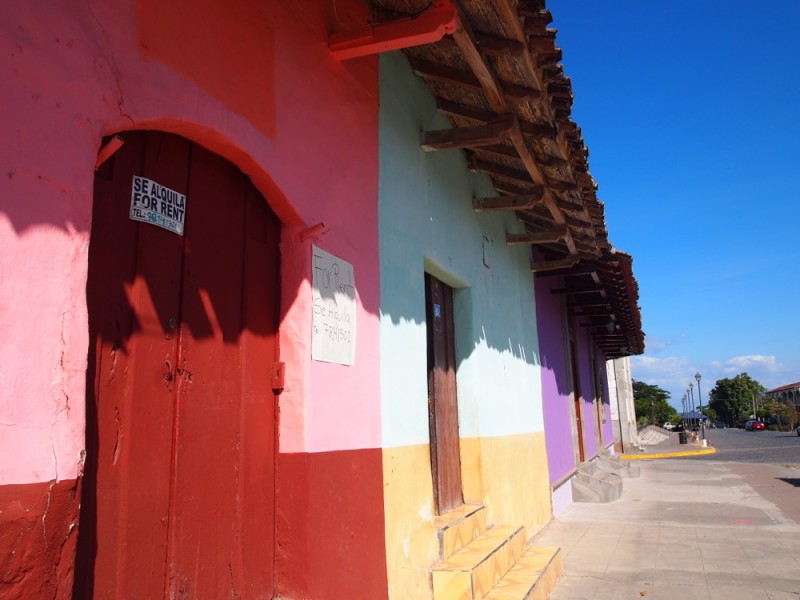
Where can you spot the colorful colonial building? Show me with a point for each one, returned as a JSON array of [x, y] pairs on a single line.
[[286, 318]]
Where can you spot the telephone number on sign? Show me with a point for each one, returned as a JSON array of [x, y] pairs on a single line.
[[336, 334]]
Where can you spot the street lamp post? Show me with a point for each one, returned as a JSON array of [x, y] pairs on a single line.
[[691, 394], [683, 416], [700, 399]]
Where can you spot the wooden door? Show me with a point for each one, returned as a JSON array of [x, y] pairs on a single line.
[[178, 492], [576, 392], [597, 394], [442, 398]]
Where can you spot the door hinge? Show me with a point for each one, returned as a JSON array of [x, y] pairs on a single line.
[[278, 371]]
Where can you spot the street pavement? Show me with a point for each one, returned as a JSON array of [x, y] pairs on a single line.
[[685, 529]]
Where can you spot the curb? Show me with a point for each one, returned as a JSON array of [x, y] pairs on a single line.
[[698, 452]]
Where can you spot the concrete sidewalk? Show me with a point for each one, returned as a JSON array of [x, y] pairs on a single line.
[[685, 530]]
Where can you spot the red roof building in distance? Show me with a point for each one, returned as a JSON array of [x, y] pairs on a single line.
[[789, 393]]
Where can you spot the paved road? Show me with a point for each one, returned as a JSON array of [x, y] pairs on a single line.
[[738, 445]]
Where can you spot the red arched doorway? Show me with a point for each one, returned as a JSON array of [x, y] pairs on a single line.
[[178, 490]]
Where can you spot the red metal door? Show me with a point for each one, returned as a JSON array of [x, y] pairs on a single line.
[[178, 496], [442, 398]]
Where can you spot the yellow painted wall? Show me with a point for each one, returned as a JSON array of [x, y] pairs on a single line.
[[411, 543], [507, 474]]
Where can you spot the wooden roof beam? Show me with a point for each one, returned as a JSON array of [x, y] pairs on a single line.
[[427, 27], [468, 137], [539, 237], [515, 93], [497, 98], [454, 109], [575, 291], [466, 42], [500, 170], [582, 270], [553, 265], [500, 203], [493, 45], [528, 159]]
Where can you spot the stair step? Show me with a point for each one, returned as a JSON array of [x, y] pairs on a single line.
[[458, 527], [533, 578], [582, 492], [475, 569]]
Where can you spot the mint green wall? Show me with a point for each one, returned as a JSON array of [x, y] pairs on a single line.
[[427, 223]]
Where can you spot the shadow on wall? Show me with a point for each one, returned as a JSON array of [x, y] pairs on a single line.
[[427, 224], [552, 337]]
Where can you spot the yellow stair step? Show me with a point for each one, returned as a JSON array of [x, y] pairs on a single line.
[[459, 527], [471, 572], [533, 577]]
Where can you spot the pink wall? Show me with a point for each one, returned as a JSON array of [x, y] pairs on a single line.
[[255, 83], [308, 140]]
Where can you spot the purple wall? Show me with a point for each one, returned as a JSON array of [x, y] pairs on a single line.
[[555, 381]]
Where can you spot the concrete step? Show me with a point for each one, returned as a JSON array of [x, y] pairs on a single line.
[[458, 527], [607, 485], [582, 492], [613, 464], [476, 568], [533, 577]]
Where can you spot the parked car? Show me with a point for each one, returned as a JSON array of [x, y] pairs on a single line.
[[754, 426], [720, 425], [668, 425]]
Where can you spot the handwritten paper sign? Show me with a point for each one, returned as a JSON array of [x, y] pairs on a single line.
[[153, 203], [333, 331]]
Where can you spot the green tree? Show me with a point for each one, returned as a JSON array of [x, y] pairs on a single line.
[[732, 398], [652, 403], [710, 413], [778, 413]]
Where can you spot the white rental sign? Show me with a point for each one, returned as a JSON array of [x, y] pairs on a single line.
[[333, 331], [158, 205]]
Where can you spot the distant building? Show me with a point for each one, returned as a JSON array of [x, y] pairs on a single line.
[[788, 394]]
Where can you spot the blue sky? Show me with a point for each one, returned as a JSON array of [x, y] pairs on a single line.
[[691, 113]]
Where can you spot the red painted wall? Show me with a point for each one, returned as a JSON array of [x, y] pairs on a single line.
[[330, 526], [37, 539], [255, 83]]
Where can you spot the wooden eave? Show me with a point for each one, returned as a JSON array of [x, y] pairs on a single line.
[[498, 79]]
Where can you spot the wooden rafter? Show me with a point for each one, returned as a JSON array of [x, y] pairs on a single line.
[[468, 137], [568, 291], [493, 45], [553, 265], [550, 236], [538, 160], [454, 109], [515, 93], [500, 203]]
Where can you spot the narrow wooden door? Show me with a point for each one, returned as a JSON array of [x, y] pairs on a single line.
[[178, 497], [442, 398], [576, 391], [597, 394]]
